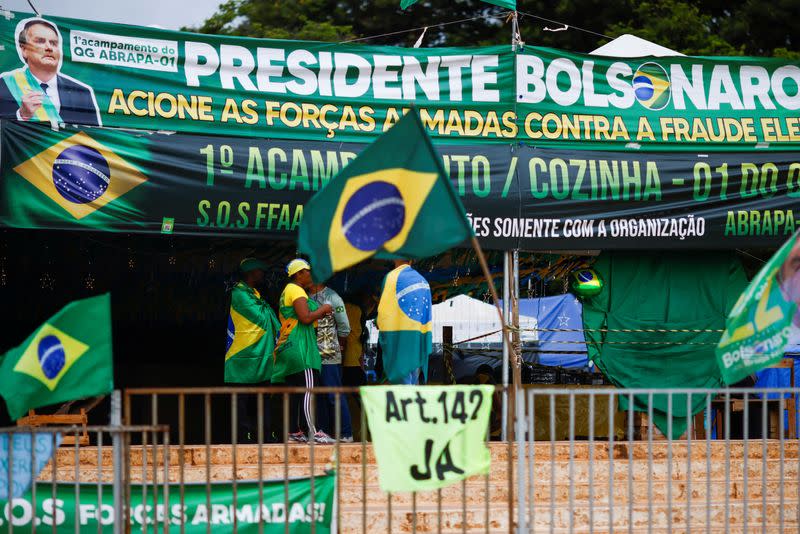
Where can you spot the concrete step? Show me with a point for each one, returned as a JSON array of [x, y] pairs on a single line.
[[559, 473], [351, 453], [575, 520]]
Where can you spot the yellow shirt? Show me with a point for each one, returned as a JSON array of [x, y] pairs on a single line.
[[292, 293], [354, 349]]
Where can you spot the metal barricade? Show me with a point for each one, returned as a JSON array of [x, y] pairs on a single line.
[[657, 460], [207, 429], [85, 488]]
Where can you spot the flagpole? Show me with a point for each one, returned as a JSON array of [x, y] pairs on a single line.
[[517, 382]]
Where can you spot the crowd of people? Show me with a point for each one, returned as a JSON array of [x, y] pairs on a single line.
[[318, 339]]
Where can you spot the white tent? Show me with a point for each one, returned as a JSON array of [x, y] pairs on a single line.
[[631, 46], [469, 318]]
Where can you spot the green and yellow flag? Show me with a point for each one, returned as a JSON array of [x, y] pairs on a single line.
[[252, 327], [508, 4], [70, 178], [69, 357], [393, 201], [759, 325]]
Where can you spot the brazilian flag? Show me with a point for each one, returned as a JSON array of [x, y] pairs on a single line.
[[69, 357], [69, 178], [393, 201], [252, 328]]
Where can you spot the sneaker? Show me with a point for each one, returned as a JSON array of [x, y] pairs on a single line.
[[322, 437], [298, 437], [347, 439]]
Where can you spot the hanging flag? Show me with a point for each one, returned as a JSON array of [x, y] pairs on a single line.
[[252, 327], [508, 4], [393, 201], [73, 178], [69, 357], [759, 325]]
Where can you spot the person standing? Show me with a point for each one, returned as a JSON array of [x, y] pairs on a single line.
[[297, 359], [332, 332], [252, 329], [404, 324]]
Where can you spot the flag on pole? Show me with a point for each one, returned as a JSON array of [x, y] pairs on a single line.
[[508, 4], [67, 358], [760, 323], [393, 201]]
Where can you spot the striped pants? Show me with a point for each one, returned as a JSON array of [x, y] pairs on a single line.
[[301, 416]]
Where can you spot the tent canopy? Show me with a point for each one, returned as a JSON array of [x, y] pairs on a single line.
[[628, 45]]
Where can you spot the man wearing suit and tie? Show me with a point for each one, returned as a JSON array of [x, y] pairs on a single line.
[[37, 91]]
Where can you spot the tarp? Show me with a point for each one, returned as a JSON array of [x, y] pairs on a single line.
[[664, 313], [560, 321], [515, 196], [149, 78]]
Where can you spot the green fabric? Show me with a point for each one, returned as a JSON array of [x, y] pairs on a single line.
[[759, 326], [428, 438], [297, 346], [393, 201], [252, 328], [668, 291], [69, 357], [403, 351], [265, 507], [508, 4]]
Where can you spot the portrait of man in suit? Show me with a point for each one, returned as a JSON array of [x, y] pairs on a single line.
[[38, 91]]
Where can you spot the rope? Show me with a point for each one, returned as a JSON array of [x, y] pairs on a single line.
[[626, 330], [602, 330], [523, 13], [411, 30]]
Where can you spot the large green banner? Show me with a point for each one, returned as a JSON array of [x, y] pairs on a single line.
[[515, 196], [93, 73], [146, 78], [87, 508], [665, 103]]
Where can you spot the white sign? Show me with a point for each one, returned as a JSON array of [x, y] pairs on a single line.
[[122, 51]]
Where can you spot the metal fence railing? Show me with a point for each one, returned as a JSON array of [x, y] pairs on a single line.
[[53, 487], [657, 460], [207, 431], [583, 459]]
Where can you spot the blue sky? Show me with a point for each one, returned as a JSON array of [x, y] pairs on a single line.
[[170, 14]]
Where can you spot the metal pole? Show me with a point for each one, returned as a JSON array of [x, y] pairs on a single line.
[[116, 443], [506, 348]]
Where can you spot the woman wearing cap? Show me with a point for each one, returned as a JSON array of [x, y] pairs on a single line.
[[297, 358]]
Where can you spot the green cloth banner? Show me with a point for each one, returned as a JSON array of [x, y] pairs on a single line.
[[428, 437], [760, 323], [147, 78], [67, 358], [689, 294], [514, 196], [80, 511]]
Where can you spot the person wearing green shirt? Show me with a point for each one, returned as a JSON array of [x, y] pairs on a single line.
[[297, 361], [252, 329]]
